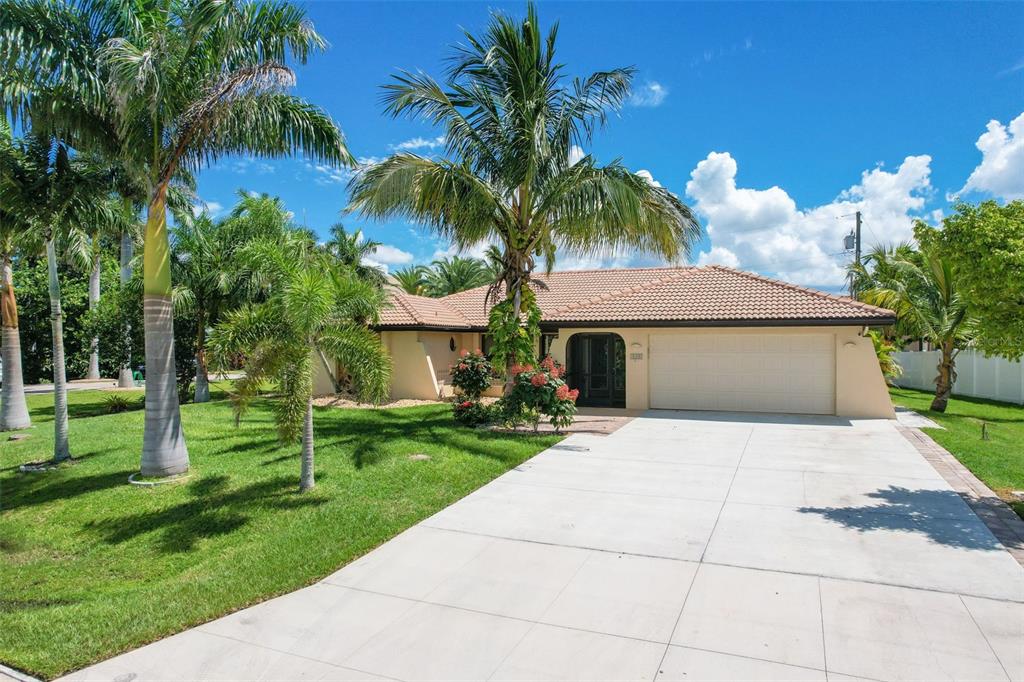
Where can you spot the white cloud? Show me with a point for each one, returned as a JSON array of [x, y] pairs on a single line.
[[391, 255], [246, 164], [764, 230], [420, 143], [1001, 171], [576, 154], [646, 175], [650, 94], [214, 208]]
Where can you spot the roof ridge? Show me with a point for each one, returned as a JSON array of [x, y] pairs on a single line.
[[399, 296], [797, 287], [681, 268], [404, 296], [624, 291]]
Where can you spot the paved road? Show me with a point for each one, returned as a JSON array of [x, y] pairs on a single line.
[[683, 546]]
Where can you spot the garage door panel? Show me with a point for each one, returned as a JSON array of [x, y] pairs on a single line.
[[743, 372]]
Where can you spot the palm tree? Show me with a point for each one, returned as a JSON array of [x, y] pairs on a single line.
[[313, 304], [453, 274], [510, 121], [13, 229], [353, 250], [188, 83], [56, 194], [211, 279], [923, 289], [411, 279]]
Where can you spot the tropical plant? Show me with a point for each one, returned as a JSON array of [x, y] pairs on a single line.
[[187, 83], [13, 229], [472, 374], [986, 244], [884, 349], [311, 305], [510, 122], [539, 391], [925, 294], [411, 279], [210, 277], [452, 274], [353, 250], [56, 194]]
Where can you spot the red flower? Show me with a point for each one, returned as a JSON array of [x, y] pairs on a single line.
[[463, 353], [573, 394], [539, 379], [547, 363], [562, 392], [555, 372], [467, 403], [463, 365], [478, 352]]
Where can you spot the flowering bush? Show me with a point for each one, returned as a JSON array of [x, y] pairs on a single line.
[[540, 391], [472, 374], [470, 412]]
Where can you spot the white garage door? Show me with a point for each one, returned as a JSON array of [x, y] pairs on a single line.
[[743, 372]]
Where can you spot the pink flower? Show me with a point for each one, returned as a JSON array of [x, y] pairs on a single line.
[[478, 352], [547, 363], [573, 394], [463, 353], [539, 379], [463, 365], [562, 392]]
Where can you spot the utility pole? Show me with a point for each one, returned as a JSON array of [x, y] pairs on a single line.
[[852, 241]]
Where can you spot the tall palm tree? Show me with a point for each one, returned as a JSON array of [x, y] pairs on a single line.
[[352, 250], [453, 274], [56, 194], [411, 279], [187, 82], [924, 292], [13, 229], [313, 304], [510, 120]]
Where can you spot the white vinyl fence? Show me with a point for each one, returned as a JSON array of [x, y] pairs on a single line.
[[978, 376]]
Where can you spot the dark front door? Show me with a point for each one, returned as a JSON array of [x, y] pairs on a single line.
[[597, 367]]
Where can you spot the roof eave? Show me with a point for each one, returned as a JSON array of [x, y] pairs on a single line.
[[760, 322]]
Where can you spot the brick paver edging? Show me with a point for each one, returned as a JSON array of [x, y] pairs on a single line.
[[996, 514]]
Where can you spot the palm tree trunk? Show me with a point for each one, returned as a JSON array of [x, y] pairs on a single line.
[[61, 450], [94, 300], [124, 377], [163, 444], [306, 481], [944, 382], [13, 409], [202, 377]]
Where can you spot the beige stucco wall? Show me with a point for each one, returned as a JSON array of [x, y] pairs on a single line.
[[860, 388]]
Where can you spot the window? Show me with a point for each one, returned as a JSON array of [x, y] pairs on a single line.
[[451, 344]]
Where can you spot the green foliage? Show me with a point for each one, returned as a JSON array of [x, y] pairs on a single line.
[[411, 279], [352, 250], [986, 245], [115, 403], [471, 412], [472, 375], [540, 390], [884, 349], [312, 303], [452, 275], [515, 336]]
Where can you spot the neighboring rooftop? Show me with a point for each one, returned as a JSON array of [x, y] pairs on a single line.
[[683, 296]]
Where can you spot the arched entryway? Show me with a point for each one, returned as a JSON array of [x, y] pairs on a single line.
[[597, 367]]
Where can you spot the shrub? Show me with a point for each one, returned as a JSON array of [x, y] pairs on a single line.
[[472, 374], [471, 412], [115, 403], [540, 391]]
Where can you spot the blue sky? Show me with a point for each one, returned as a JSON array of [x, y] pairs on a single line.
[[775, 121]]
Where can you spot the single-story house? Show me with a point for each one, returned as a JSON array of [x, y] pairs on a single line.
[[689, 338]]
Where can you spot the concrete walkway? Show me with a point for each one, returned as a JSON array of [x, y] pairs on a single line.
[[684, 546]]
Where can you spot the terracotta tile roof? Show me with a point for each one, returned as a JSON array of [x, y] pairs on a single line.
[[407, 310], [686, 295]]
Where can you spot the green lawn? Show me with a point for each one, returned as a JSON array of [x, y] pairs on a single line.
[[92, 566], [999, 461]]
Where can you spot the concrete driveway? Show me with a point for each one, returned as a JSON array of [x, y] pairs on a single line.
[[684, 546]]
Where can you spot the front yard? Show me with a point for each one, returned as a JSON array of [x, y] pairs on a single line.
[[999, 461], [92, 566]]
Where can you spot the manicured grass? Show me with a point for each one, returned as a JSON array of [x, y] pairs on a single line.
[[92, 566], [999, 461]]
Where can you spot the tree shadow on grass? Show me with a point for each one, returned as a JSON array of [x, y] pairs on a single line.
[[214, 508], [940, 515], [83, 410], [33, 489]]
